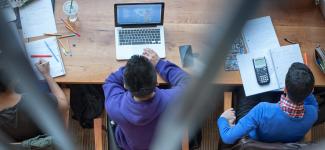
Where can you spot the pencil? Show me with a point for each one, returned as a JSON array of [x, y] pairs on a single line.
[[69, 27], [48, 46], [65, 36], [40, 55], [63, 48], [306, 58], [50, 34]]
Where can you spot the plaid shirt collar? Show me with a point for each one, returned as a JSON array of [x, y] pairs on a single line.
[[290, 108]]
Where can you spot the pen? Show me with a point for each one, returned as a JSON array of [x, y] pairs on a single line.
[[47, 45], [40, 55]]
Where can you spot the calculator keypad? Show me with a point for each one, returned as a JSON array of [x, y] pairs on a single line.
[[262, 75]]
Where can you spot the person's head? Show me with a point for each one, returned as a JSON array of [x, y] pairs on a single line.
[[140, 77], [299, 82]]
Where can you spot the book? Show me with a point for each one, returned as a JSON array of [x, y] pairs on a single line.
[[278, 62], [40, 48], [256, 34]]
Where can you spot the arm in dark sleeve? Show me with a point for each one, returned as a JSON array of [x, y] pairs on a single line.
[[230, 135], [172, 73]]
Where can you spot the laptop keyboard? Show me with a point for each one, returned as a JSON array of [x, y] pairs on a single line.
[[4, 4], [139, 36]]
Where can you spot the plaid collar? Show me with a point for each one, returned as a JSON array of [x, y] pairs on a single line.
[[292, 109]]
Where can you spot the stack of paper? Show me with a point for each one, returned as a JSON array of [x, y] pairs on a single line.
[[37, 18], [261, 41], [257, 34]]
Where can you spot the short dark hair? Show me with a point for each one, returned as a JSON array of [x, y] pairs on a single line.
[[140, 76], [299, 82]]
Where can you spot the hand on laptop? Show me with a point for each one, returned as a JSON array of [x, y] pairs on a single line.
[[229, 114], [151, 55], [43, 67]]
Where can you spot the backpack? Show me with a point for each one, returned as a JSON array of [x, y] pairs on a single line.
[[87, 103]]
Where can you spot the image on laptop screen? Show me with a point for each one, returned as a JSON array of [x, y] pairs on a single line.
[[138, 14]]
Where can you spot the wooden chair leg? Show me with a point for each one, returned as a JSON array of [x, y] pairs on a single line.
[[185, 141], [308, 137], [67, 115], [98, 122], [227, 101]]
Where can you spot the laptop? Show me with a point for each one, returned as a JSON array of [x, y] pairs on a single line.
[[7, 10], [139, 26]]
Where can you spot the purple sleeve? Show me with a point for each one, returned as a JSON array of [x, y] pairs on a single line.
[[172, 73], [113, 90]]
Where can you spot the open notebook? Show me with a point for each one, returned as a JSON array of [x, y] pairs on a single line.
[[39, 47], [278, 62]]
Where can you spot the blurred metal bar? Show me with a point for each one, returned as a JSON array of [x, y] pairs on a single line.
[[12, 58], [195, 104]]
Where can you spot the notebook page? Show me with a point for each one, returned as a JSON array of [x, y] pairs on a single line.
[[37, 18], [260, 34], [282, 58], [248, 76], [39, 47]]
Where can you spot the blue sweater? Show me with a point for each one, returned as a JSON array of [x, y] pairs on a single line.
[[137, 121], [266, 122]]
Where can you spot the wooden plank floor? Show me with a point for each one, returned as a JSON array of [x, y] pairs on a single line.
[[84, 138]]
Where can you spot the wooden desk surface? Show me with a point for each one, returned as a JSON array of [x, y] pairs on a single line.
[[94, 52]]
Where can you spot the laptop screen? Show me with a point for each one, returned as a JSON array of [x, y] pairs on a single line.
[[139, 14]]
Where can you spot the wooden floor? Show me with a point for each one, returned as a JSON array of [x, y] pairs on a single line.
[[84, 138]]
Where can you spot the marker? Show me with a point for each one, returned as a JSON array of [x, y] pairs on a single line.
[[47, 45]]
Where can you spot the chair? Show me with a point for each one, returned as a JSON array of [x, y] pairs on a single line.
[[228, 104], [98, 123], [67, 93]]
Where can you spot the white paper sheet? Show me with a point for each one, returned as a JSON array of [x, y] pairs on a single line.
[[248, 76], [259, 34], [39, 47], [282, 58], [37, 18]]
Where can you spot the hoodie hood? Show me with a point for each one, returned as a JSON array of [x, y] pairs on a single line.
[[142, 113]]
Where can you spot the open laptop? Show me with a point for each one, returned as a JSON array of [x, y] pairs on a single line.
[[139, 26]]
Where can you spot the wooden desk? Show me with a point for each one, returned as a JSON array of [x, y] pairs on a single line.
[[185, 20]]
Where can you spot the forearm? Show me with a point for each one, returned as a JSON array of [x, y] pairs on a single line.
[[55, 88], [171, 73]]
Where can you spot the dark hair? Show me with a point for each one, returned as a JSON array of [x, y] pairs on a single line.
[[299, 82], [140, 76]]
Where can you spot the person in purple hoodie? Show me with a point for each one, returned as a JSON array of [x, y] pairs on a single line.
[[133, 101]]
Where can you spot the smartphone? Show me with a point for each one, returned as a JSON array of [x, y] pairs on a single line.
[[261, 71]]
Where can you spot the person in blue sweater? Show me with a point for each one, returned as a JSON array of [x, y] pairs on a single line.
[[133, 101], [288, 120]]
